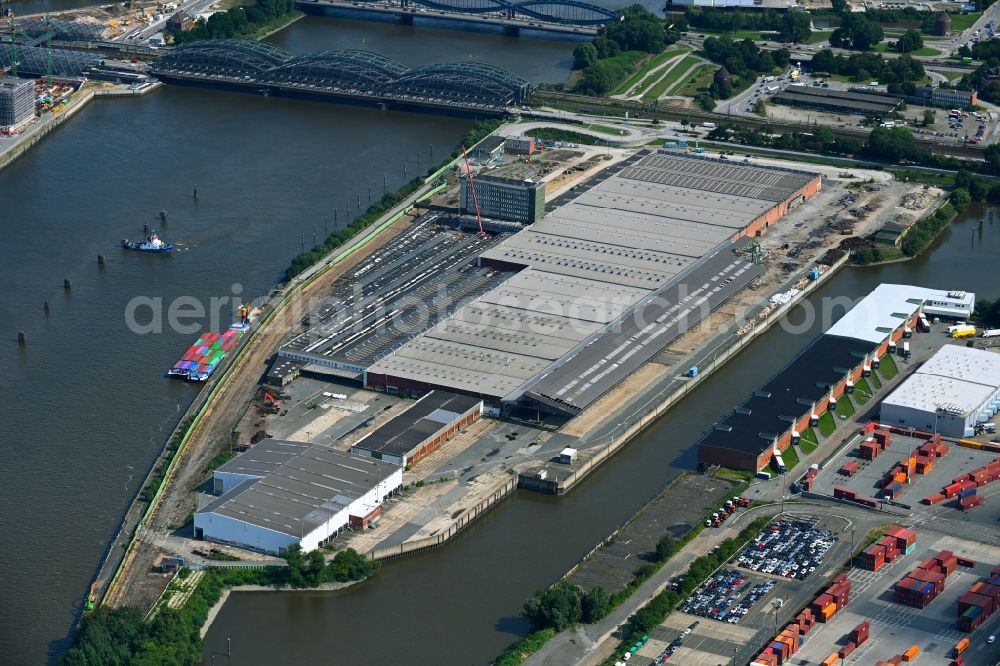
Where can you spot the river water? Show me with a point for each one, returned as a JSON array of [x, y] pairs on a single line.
[[86, 405]]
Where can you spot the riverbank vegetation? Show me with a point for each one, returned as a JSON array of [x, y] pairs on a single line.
[[246, 21], [987, 311], [306, 259], [612, 56], [118, 636]]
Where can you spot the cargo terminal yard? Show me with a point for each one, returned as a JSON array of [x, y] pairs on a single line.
[[321, 396]]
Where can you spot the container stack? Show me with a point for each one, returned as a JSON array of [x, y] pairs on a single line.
[[833, 600], [922, 585], [871, 558], [805, 621], [857, 636], [905, 538], [869, 449], [809, 478], [979, 603], [845, 493], [832, 660], [963, 488], [203, 357], [849, 468], [781, 649]]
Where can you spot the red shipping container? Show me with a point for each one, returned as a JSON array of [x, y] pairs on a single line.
[[966, 562], [846, 650]]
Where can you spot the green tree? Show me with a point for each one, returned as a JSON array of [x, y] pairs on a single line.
[[992, 156], [928, 117], [856, 32], [910, 41], [839, 6], [595, 605], [824, 135], [296, 566], [960, 199], [664, 548], [584, 55], [795, 27], [557, 607]]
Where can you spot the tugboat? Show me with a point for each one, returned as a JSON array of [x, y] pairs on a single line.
[[151, 244]]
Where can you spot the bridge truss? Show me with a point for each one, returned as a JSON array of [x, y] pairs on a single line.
[[471, 85]]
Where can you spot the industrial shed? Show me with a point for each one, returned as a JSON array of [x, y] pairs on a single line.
[[955, 389], [839, 101], [281, 493], [789, 401], [591, 274], [812, 383], [429, 423]]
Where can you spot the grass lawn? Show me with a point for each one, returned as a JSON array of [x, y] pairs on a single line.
[[926, 51], [735, 474], [603, 129], [845, 407], [887, 367], [647, 67], [700, 80], [671, 77], [876, 382], [827, 424], [790, 457], [862, 391], [819, 36], [961, 22], [808, 441]]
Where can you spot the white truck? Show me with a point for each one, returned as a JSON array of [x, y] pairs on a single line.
[[773, 89], [990, 333], [708, 125]]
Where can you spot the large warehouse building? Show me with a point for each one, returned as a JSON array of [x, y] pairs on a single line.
[[813, 382], [955, 389], [417, 432], [281, 493], [602, 283]]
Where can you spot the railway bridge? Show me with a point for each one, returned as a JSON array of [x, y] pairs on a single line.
[[571, 17], [351, 76]]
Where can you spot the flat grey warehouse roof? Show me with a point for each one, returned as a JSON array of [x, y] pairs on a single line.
[[635, 230], [302, 485]]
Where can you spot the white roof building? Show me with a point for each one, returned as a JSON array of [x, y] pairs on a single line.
[[888, 305], [956, 388]]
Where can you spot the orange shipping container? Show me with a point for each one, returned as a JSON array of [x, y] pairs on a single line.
[[830, 608], [911, 654], [832, 660], [961, 646]]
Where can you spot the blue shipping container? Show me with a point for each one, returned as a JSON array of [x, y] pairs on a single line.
[[910, 549], [927, 587], [967, 492]]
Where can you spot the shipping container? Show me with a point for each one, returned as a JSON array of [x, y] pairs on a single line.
[[911, 653], [961, 646]]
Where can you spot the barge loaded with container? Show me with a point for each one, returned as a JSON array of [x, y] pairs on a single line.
[[204, 356]]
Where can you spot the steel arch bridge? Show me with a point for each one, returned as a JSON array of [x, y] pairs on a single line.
[[346, 72], [233, 57], [566, 12]]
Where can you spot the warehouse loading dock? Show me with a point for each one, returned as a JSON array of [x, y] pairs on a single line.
[[805, 389]]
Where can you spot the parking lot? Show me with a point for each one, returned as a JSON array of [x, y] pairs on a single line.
[[895, 627], [688, 638], [788, 548], [722, 597]]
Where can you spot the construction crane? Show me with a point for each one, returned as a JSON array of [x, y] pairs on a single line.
[[472, 187]]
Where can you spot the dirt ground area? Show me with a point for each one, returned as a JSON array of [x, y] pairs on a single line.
[[135, 586], [597, 413], [675, 511]]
